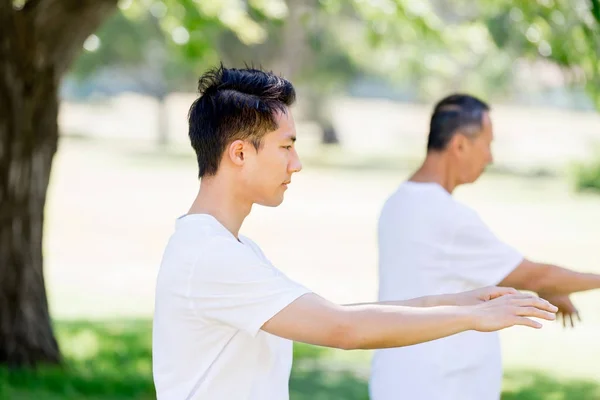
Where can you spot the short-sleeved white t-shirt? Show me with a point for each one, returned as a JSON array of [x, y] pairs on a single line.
[[213, 294], [429, 243]]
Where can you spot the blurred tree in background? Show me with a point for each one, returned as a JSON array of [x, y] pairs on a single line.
[[39, 39], [515, 50], [425, 48], [566, 33]]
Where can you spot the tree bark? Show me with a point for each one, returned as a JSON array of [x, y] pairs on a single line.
[[37, 44]]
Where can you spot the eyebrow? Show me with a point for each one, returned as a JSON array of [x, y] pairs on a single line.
[[291, 137]]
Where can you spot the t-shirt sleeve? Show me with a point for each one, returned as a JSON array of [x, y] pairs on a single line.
[[478, 255], [232, 285]]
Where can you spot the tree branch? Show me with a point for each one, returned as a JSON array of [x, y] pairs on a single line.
[[61, 27]]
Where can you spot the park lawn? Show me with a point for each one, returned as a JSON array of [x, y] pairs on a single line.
[[113, 361]]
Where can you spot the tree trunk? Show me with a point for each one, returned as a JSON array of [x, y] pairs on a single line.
[[37, 44], [319, 111], [29, 137]]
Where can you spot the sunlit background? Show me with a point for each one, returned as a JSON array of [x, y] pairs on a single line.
[[367, 74]]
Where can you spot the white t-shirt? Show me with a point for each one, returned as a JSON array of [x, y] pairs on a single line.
[[430, 244], [213, 295]]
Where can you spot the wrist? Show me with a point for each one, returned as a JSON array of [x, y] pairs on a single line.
[[450, 299], [468, 317], [440, 300]]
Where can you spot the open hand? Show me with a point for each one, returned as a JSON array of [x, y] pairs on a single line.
[[566, 308], [511, 309]]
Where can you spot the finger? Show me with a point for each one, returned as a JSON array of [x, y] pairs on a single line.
[[535, 302], [520, 295], [535, 313], [527, 322], [523, 296], [516, 298], [551, 307], [571, 318]]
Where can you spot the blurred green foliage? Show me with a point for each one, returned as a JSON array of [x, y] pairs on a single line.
[[587, 175], [425, 47], [565, 32]]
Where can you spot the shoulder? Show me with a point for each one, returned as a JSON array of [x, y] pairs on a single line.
[[466, 215], [424, 201], [225, 249], [224, 260], [416, 194], [249, 242], [471, 229]]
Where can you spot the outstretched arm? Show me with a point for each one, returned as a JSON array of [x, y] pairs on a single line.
[[547, 278], [553, 283], [312, 319]]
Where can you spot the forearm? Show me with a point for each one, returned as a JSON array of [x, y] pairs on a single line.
[[425, 301], [559, 280], [385, 326]]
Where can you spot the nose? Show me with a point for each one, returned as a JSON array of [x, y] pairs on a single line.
[[295, 165]]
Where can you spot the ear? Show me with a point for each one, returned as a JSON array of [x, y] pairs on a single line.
[[235, 152], [457, 143]]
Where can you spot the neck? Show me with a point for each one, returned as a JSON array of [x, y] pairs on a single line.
[[436, 169], [217, 197]]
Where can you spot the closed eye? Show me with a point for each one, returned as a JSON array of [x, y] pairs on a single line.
[[288, 147]]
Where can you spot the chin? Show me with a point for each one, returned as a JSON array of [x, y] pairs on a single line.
[[271, 202], [471, 179], [476, 178]]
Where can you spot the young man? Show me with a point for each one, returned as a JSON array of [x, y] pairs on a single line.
[[225, 317], [430, 243]]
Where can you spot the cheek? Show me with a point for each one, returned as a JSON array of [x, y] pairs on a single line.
[[280, 162], [484, 154], [271, 167]]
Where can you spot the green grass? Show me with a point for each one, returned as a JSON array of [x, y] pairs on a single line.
[[113, 361], [531, 385], [102, 361]]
